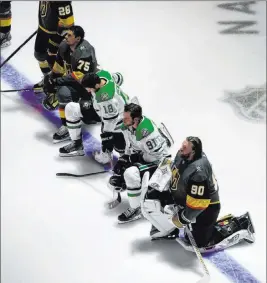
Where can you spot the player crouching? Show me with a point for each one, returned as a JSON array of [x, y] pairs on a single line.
[[146, 146], [108, 101], [185, 193]]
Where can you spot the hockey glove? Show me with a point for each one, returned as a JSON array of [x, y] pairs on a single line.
[[50, 102], [122, 164], [107, 141], [49, 85], [179, 220]]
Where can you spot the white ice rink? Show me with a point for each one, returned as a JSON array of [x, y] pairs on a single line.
[[174, 59]]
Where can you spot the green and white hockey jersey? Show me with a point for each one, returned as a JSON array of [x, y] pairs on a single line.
[[109, 103], [145, 139]]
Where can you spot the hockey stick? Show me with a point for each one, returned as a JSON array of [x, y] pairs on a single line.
[[206, 277], [16, 90], [82, 175], [14, 52]]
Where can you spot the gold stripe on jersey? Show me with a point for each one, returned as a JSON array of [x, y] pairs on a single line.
[[4, 22], [58, 69], [47, 31], [77, 75], [68, 22], [53, 43], [61, 113], [198, 204], [43, 64]]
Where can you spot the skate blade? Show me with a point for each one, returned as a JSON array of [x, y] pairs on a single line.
[[134, 219], [112, 204], [73, 154], [58, 141]]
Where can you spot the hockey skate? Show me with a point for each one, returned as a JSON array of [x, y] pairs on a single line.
[[131, 214], [61, 135], [75, 148], [5, 39], [38, 87]]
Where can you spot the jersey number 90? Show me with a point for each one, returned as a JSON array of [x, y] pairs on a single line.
[[197, 190]]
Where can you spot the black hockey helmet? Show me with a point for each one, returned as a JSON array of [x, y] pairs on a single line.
[[134, 109], [90, 80], [197, 146]]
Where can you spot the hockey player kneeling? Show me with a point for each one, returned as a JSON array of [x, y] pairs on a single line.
[[146, 146], [108, 101], [185, 193]]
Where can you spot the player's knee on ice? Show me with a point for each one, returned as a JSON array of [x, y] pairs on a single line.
[[133, 183], [73, 111]]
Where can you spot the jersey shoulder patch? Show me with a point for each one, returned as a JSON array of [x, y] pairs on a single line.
[[144, 129], [84, 50], [200, 169]]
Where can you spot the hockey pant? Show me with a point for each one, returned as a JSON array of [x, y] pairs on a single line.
[[66, 94], [5, 17], [45, 49]]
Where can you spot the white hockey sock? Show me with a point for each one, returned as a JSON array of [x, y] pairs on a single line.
[[75, 129]]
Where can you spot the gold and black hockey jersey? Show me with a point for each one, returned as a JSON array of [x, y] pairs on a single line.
[[73, 65], [5, 16], [193, 185], [54, 16]]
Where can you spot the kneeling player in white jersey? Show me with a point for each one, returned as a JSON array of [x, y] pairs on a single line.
[[146, 146], [185, 193], [108, 102]]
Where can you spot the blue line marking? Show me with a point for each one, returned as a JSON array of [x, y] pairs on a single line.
[[226, 264]]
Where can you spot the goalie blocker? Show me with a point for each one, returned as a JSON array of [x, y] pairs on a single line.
[[185, 192]]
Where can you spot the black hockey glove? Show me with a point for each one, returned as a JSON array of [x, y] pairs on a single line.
[[136, 158], [179, 220], [107, 141], [50, 102], [122, 164], [49, 84]]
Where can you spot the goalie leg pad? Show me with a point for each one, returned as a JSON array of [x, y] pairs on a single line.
[[151, 210], [73, 120]]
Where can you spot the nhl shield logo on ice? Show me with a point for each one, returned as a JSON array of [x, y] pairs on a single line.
[[249, 103]]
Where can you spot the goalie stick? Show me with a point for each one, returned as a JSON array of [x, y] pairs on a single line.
[[206, 277]]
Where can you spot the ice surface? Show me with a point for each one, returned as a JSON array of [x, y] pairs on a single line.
[[174, 59]]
